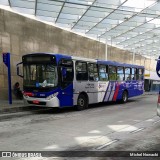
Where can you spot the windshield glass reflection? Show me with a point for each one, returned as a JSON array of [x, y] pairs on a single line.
[[40, 75]]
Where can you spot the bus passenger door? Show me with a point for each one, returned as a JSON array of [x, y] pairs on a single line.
[[66, 82]]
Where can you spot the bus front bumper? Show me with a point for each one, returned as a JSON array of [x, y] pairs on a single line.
[[30, 101]]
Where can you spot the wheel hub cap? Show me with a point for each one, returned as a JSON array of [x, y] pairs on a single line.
[[81, 102]]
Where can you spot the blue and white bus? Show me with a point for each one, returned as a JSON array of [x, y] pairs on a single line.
[[56, 80]]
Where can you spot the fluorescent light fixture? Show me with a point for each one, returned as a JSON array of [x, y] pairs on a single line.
[[155, 21], [139, 4]]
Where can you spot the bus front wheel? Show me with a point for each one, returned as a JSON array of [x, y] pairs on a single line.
[[82, 102], [124, 97]]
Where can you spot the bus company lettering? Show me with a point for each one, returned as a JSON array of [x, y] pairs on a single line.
[[101, 85], [90, 85]]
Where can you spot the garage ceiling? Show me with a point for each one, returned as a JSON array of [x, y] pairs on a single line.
[[132, 25]]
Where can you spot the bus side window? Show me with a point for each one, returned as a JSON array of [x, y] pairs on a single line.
[[112, 73], [133, 74], [141, 74], [66, 71], [103, 72], [127, 74], [68, 74], [136, 74], [81, 71], [93, 72], [120, 73]]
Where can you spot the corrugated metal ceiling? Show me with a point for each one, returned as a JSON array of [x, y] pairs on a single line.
[[133, 25]]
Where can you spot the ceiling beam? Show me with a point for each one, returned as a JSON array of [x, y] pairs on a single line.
[[143, 40], [60, 11], [9, 2], [35, 12], [140, 24], [106, 16], [138, 34], [99, 7], [83, 15], [128, 20]]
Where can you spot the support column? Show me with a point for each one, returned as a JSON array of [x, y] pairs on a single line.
[[133, 60], [106, 51]]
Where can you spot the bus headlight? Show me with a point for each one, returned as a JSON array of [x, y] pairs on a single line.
[[52, 96]]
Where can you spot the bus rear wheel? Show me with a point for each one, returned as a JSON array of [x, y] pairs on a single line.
[[82, 102], [124, 97]]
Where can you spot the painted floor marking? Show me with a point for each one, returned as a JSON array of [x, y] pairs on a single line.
[[107, 144], [137, 130], [156, 122]]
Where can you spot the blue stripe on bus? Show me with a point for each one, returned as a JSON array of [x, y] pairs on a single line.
[[112, 84], [106, 91]]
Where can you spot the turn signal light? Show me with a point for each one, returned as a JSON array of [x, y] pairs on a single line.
[[28, 94]]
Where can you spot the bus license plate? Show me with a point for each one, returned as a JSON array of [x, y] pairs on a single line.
[[36, 102]]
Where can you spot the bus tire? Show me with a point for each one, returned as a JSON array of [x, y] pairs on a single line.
[[124, 97], [82, 102]]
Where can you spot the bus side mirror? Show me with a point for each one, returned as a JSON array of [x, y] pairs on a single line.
[[19, 71]]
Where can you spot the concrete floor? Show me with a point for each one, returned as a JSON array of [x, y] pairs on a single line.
[[133, 126]]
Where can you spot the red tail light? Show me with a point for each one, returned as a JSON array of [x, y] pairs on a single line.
[[159, 98], [28, 94]]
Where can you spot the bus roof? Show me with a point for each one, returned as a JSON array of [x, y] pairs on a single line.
[[84, 59], [58, 56], [55, 54], [114, 63]]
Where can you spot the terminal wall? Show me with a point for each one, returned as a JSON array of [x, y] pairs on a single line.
[[20, 35]]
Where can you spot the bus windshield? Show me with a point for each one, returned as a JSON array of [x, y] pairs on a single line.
[[40, 75]]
